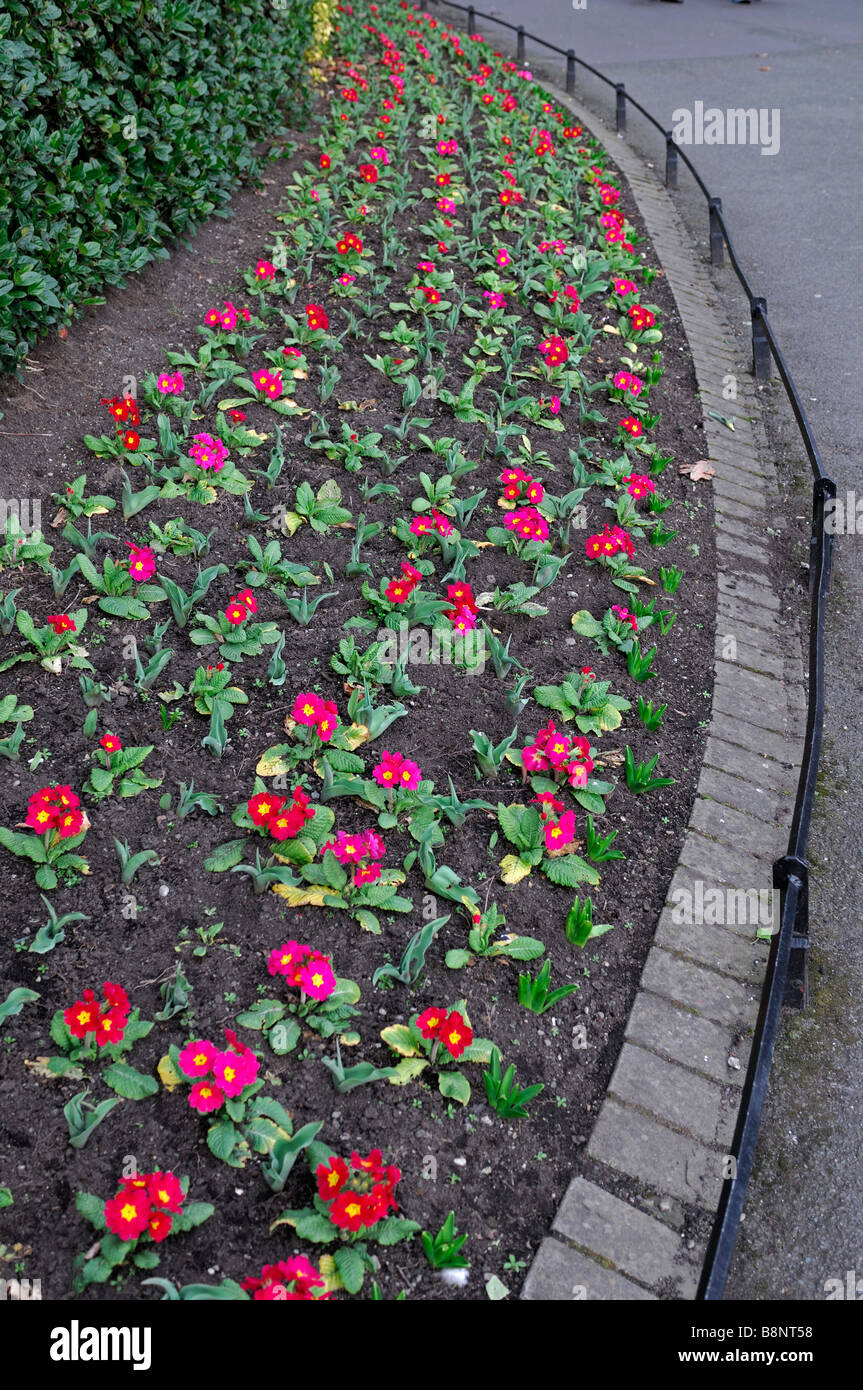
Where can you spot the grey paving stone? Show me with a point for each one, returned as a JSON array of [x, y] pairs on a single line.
[[719, 947], [742, 611], [735, 507], [734, 546], [560, 1273], [738, 830], [683, 1037], [786, 750], [770, 642], [709, 859], [645, 1149], [731, 697], [636, 1243], [692, 897], [674, 1095], [710, 994], [742, 794], [768, 772], [750, 658], [750, 588], [736, 492]]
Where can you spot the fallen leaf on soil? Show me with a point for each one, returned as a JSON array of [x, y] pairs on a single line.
[[40, 1067], [697, 471], [512, 869], [168, 1074]]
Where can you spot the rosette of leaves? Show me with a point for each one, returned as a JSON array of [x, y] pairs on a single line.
[[320, 510], [128, 1082], [248, 1123], [413, 807], [483, 941], [20, 546], [522, 826], [328, 884], [611, 632], [120, 596], [353, 1259], [589, 702], [51, 647], [300, 850], [98, 1264], [268, 566], [591, 796], [234, 642], [49, 852], [75, 503], [123, 775], [407, 1041], [282, 1023], [211, 688]]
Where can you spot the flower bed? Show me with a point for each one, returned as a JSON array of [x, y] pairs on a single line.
[[357, 701]]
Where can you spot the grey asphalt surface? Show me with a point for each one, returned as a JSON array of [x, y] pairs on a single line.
[[794, 217]]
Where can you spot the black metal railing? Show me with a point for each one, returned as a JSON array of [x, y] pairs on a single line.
[[785, 980]]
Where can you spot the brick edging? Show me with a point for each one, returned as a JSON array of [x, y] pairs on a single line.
[[664, 1127]]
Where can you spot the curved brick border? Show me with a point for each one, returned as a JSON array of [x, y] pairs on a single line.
[[634, 1225]]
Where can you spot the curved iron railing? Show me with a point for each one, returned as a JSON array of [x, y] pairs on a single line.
[[785, 980]]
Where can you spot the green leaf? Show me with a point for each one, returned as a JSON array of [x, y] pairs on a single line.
[[393, 1229], [15, 1001], [457, 959], [569, 870], [225, 856], [283, 1037], [129, 1083], [223, 1139], [25, 846], [454, 1086], [92, 1209], [350, 1266]]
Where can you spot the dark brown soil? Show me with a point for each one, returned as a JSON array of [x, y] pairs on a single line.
[[503, 1180]]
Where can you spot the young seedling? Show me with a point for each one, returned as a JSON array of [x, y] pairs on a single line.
[[638, 665], [534, 994], [651, 718], [502, 1093], [598, 849], [489, 757], [443, 1251], [580, 926], [411, 966], [669, 578], [53, 932], [130, 863], [639, 777]]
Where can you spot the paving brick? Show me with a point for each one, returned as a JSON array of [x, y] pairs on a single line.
[[774, 774], [736, 492], [692, 897], [719, 947], [736, 507], [741, 611], [708, 859], [683, 1037], [560, 1273], [738, 830], [710, 994], [636, 1243], [751, 588], [758, 637], [743, 795], [733, 698], [645, 1149], [674, 1095], [733, 546], [748, 658], [785, 750]]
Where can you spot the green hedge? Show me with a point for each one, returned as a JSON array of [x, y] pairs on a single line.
[[124, 123]]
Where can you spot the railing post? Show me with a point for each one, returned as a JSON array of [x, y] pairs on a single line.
[[471, 19], [570, 70], [761, 356], [717, 243], [620, 90], [670, 160], [519, 49]]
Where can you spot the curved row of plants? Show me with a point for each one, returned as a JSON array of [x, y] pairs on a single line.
[[372, 564]]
